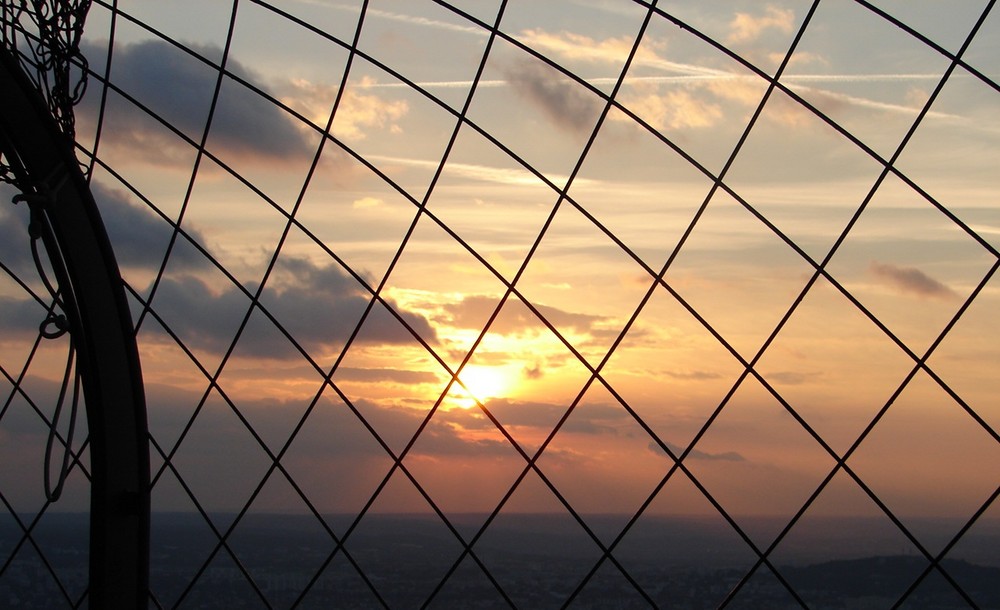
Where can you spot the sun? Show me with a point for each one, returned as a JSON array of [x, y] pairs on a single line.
[[482, 382]]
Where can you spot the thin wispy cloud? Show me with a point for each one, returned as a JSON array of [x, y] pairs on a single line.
[[858, 78], [569, 46], [682, 79], [517, 318], [483, 173], [744, 27], [697, 454], [407, 19], [688, 80], [383, 375], [985, 229], [825, 97], [574, 46]]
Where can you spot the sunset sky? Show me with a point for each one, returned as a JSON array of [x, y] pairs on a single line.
[[522, 248]]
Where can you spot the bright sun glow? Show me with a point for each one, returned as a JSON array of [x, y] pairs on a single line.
[[482, 382]]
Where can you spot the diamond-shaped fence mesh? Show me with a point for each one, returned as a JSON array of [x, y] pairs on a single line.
[[506, 303]]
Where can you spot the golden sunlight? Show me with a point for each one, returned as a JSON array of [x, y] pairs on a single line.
[[482, 383]]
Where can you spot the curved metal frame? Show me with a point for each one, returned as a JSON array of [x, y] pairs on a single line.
[[103, 333]]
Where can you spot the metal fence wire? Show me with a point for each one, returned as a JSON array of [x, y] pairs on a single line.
[[693, 290]]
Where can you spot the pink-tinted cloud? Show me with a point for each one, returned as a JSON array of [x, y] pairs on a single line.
[[359, 113], [910, 280], [745, 27], [673, 109]]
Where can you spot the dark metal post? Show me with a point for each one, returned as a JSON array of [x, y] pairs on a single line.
[[104, 337]]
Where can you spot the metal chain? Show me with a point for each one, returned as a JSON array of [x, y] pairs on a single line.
[[45, 37], [59, 28], [55, 325]]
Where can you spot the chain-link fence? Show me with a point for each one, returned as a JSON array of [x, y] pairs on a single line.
[[602, 304]]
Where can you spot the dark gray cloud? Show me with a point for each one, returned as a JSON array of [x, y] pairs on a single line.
[[441, 439], [22, 316], [473, 311], [603, 419], [140, 237], [792, 377], [332, 431], [568, 105], [179, 88], [15, 245], [911, 280], [318, 306]]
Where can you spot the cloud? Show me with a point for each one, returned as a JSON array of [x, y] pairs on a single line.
[[483, 173], [574, 46], [727, 456], [612, 51], [399, 376], [799, 58], [357, 114], [569, 106], [22, 316], [676, 109], [179, 88], [331, 435], [747, 28], [140, 237], [745, 91], [442, 439], [787, 111], [593, 419], [15, 245], [910, 280], [792, 377], [602, 419], [367, 202], [439, 438], [534, 371], [421, 21], [693, 375], [472, 311], [318, 306]]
